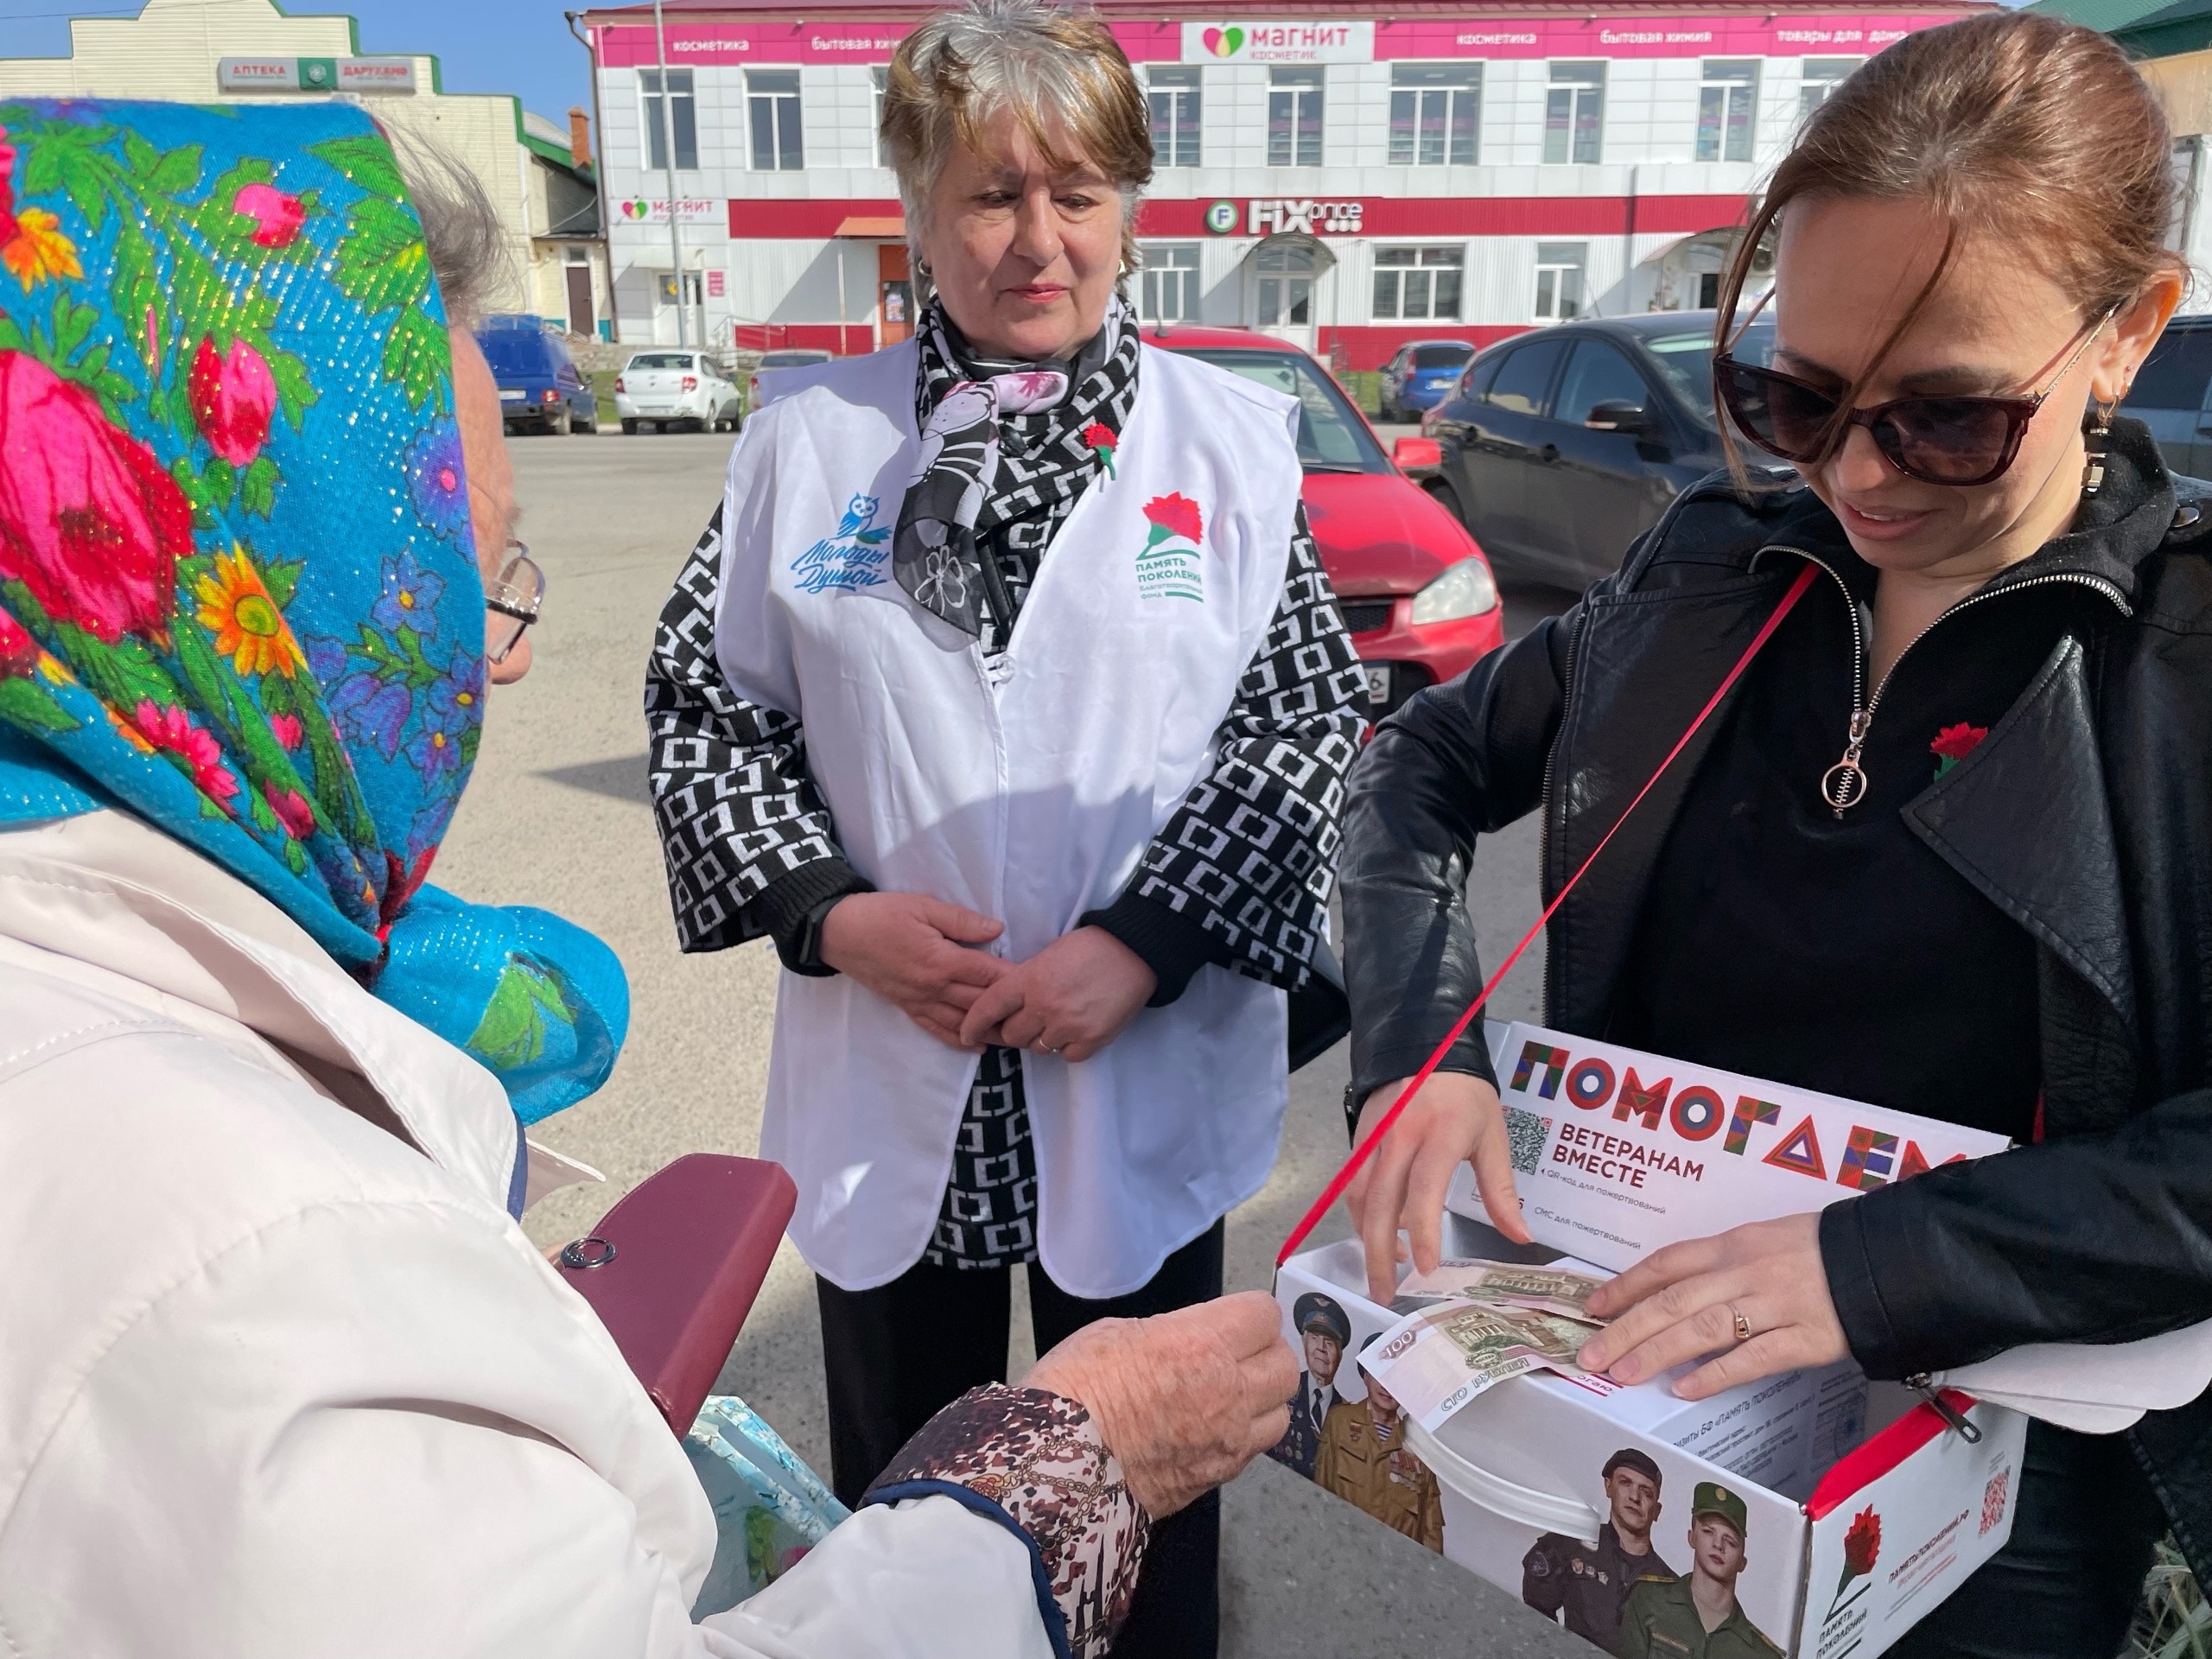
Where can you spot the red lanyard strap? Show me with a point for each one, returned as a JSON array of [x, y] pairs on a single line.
[[1343, 1178]]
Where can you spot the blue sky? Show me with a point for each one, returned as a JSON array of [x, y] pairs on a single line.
[[483, 46]]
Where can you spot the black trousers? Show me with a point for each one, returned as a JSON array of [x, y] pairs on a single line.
[[2067, 1581], [898, 1354]]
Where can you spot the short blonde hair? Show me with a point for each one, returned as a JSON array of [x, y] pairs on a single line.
[[1057, 69]]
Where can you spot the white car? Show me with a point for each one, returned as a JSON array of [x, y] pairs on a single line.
[[794, 357], [663, 389]]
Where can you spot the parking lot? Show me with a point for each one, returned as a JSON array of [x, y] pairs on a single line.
[[559, 816]]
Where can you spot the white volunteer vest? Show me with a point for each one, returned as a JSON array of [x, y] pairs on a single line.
[[1031, 802]]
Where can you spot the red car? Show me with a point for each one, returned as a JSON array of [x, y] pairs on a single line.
[[1414, 590]]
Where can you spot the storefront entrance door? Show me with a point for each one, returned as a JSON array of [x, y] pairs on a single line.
[[1281, 281], [894, 317]]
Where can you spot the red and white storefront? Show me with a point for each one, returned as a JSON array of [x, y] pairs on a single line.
[[1350, 182]]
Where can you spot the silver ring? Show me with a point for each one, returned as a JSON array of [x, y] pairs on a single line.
[[1046, 1048], [1742, 1324]]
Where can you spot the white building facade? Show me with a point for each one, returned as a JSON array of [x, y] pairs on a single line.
[[1350, 182]]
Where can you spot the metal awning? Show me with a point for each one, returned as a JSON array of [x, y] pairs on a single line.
[[893, 228]]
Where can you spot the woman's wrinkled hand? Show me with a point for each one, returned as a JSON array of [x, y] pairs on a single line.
[[1681, 1302], [912, 951], [1071, 999], [1456, 1117], [1184, 1400]]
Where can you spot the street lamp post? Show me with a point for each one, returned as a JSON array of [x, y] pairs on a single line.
[[668, 155]]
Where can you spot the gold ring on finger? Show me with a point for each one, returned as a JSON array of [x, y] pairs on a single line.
[[1742, 1324]]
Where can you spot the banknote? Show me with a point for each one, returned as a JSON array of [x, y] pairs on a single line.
[[1434, 1361], [1552, 1290]]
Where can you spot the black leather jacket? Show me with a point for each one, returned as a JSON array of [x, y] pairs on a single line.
[[2086, 817]]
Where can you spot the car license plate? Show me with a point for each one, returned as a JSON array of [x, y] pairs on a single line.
[[1378, 682], [510, 396]]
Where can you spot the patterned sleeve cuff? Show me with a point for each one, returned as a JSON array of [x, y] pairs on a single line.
[[1173, 947], [791, 906], [1034, 1461]]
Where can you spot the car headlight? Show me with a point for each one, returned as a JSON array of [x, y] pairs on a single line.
[[1464, 589]]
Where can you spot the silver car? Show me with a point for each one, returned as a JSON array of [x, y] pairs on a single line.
[[662, 389]]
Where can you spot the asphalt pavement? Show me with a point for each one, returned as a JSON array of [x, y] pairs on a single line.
[[557, 815]]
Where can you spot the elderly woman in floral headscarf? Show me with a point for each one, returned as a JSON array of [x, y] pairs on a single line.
[[279, 1373]]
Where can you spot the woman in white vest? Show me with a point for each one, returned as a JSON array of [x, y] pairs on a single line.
[[1008, 696]]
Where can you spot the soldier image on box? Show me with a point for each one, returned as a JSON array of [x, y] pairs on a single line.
[[1699, 1616], [1585, 1587], [1363, 1459], [1324, 1331]]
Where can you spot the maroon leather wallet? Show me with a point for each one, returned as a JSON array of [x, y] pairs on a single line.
[[672, 1269]]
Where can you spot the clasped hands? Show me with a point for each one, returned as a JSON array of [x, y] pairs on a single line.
[[1678, 1304], [1071, 999]]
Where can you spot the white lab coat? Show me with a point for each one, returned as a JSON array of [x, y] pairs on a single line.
[[276, 1382], [1027, 791]]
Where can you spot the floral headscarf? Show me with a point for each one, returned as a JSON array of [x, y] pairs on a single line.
[[238, 591]]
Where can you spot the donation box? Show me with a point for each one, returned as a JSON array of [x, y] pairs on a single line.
[[1814, 1514]]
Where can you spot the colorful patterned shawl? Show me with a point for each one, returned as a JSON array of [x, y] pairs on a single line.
[[239, 594]]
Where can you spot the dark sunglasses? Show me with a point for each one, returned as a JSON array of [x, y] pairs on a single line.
[[1955, 441]]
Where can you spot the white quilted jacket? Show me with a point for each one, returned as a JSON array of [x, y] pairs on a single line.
[[279, 1378]]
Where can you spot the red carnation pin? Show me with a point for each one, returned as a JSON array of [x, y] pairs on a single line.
[[1102, 442], [1953, 743]]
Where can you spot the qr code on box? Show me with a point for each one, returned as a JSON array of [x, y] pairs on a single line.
[[1993, 1497], [1525, 1133]]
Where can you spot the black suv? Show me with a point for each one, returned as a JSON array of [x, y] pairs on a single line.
[[1563, 445]]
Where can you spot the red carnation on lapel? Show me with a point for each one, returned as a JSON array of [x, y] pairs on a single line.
[[1953, 743], [1099, 439], [1174, 515]]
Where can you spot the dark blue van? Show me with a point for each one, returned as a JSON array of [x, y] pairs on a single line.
[[539, 386]]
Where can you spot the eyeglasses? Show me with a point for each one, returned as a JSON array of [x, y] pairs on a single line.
[[514, 596], [1955, 441]]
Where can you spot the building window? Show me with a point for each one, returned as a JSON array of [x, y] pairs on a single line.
[[1172, 90], [682, 115], [771, 113], [1574, 112], [1170, 292], [1823, 76], [1559, 280], [1435, 112], [1286, 284], [1725, 104], [1416, 284], [1295, 116], [881, 75]]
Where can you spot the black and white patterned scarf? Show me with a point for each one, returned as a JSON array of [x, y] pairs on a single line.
[[1006, 448]]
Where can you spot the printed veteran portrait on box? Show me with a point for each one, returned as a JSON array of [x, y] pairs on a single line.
[[1324, 1333], [1698, 1617], [1363, 1460], [1585, 1588]]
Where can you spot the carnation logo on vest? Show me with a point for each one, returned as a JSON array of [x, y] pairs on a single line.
[[852, 556], [1170, 566]]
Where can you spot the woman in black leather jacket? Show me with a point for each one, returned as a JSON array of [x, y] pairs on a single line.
[[1948, 845]]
